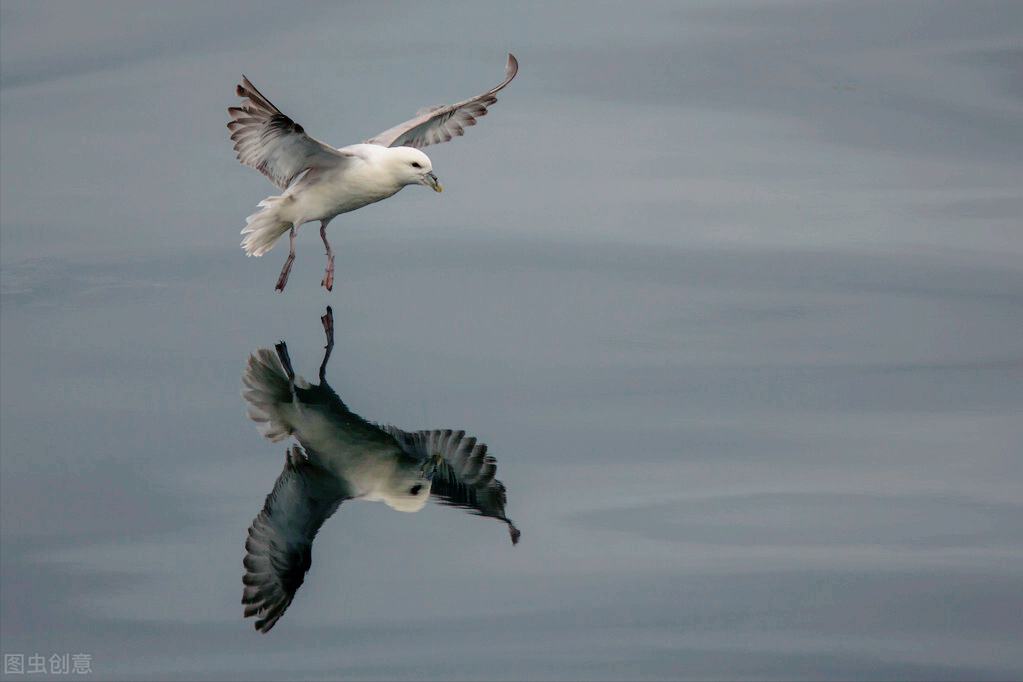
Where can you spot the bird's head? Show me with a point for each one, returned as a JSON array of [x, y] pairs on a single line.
[[409, 486], [413, 167]]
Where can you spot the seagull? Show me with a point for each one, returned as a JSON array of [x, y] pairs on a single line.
[[321, 182], [340, 456]]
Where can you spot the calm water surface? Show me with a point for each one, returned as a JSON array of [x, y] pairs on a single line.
[[733, 292]]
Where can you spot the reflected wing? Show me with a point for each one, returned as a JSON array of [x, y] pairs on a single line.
[[441, 123], [279, 546], [465, 477], [272, 143]]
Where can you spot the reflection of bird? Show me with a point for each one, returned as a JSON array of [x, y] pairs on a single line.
[[321, 182], [342, 456]]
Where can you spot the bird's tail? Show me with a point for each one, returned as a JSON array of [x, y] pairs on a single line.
[[265, 226], [269, 383]]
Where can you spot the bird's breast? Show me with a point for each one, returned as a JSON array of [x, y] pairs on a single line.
[[342, 191]]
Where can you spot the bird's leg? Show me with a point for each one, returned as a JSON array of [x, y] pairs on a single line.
[[328, 275], [286, 270], [328, 329]]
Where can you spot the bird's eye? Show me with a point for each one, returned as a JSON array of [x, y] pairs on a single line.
[[415, 164], [415, 490]]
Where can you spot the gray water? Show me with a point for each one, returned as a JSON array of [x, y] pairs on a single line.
[[732, 290]]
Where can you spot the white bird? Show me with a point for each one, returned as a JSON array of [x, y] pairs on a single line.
[[321, 182], [342, 457]]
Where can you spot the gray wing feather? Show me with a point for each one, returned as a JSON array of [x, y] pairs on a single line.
[[279, 546], [465, 477], [441, 123], [272, 143]]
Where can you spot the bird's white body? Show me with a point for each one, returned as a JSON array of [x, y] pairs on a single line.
[[366, 174], [373, 174], [336, 192]]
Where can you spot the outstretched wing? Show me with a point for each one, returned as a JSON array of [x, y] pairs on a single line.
[[272, 143], [441, 123], [279, 546], [465, 477]]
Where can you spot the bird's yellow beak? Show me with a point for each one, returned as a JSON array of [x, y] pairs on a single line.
[[430, 180], [431, 465]]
